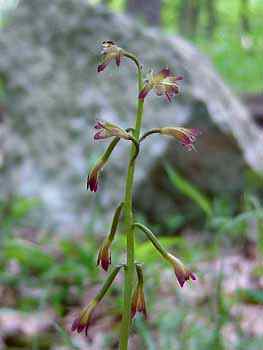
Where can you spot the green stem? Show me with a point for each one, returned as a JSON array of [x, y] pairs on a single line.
[[107, 283], [115, 223], [153, 131], [128, 222], [154, 240]]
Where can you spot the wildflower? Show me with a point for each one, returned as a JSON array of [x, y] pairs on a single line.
[[138, 300], [164, 83], [181, 272], [185, 136], [104, 256], [93, 178], [110, 51], [84, 320], [107, 130]]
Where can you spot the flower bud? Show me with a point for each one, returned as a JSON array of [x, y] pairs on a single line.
[[181, 272], [110, 51], [93, 177], [104, 256], [186, 137], [138, 300], [84, 320], [107, 130]]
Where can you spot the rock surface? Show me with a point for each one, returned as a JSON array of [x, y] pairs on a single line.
[[54, 95]]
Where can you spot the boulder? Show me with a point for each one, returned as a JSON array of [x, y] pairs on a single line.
[[53, 96]]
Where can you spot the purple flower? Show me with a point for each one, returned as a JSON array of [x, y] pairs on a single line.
[[110, 51], [84, 320], [107, 130], [104, 256], [181, 272], [186, 137], [92, 180], [138, 302], [163, 83]]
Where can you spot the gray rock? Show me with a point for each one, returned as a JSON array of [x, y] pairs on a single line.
[[49, 53]]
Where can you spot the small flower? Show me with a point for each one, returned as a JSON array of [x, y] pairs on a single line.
[[84, 320], [181, 272], [104, 256], [107, 130], [93, 178], [186, 137], [164, 83], [138, 302], [109, 52]]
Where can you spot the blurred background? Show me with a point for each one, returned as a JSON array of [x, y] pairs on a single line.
[[207, 204]]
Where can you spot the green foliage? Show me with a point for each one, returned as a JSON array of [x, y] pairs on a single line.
[[236, 55], [189, 190], [14, 211], [28, 254], [250, 296]]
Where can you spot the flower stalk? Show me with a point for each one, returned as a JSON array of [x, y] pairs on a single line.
[[85, 318], [93, 177], [163, 84], [182, 273], [128, 221], [138, 300], [104, 256]]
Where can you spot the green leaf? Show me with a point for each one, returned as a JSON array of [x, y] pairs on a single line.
[[28, 254], [189, 190], [250, 296]]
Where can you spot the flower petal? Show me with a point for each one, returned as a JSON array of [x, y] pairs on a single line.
[[144, 92]]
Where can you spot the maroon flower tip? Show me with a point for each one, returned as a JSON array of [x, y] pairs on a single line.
[[101, 67], [92, 184], [143, 93], [182, 278], [196, 131], [193, 276], [118, 60], [104, 258], [168, 97], [105, 265], [77, 326], [165, 72], [179, 77], [98, 125], [98, 135]]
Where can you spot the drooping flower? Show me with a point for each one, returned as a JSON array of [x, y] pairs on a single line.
[[104, 256], [110, 51], [182, 273], [186, 137], [107, 130], [138, 301], [163, 83], [93, 178], [84, 320]]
